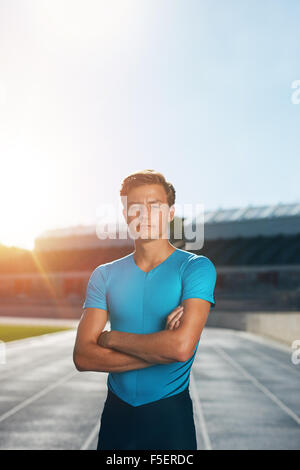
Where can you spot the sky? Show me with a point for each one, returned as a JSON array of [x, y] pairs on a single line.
[[91, 91]]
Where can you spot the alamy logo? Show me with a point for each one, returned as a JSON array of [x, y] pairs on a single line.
[[295, 358], [296, 94], [152, 221]]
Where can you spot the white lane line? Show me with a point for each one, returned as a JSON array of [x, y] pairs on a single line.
[[22, 371], [40, 321], [266, 341], [37, 395], [91, 436], [199, 414], [36, 341], [39, 353], [278, 361], [261, 387]]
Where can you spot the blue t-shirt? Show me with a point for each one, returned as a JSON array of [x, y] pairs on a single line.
[[140, 302]]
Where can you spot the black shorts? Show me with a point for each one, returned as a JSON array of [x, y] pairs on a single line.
[[165, 424]]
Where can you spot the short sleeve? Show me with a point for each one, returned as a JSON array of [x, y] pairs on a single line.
[[199, 279], [96, 289]]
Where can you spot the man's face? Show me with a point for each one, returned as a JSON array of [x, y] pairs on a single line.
[[147, 212]]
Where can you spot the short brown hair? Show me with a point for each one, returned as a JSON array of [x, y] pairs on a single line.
[[142, 177]]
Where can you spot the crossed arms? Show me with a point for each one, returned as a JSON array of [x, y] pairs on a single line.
[[117, 351]]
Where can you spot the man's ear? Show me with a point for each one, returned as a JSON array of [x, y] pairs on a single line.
[[124, 215], [171, 213]]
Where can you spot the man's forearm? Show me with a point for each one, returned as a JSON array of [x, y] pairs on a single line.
[[98, 359], [160, 347]]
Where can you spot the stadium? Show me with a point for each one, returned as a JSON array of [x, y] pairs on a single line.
[[256, 251]]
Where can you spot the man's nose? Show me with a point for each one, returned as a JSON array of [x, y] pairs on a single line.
[[145, 214]]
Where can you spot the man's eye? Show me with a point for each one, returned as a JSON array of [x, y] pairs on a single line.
[[134, 208]]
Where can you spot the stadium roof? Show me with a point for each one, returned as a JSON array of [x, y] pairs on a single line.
[[250, 221], [252, 213]]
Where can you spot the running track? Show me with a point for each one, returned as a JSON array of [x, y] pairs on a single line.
[[245, 392]]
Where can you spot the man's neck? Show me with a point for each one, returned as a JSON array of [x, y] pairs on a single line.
[[151, 252]]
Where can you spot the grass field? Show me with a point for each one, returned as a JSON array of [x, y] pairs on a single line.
[[9, 332]]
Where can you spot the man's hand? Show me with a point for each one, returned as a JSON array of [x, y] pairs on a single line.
[[103, 339], [173, 319]]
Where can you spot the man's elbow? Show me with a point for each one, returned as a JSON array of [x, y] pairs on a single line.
[[183, 352], [77, 363], [78, 367]]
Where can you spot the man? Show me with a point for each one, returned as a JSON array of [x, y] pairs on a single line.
[[158, 299]]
